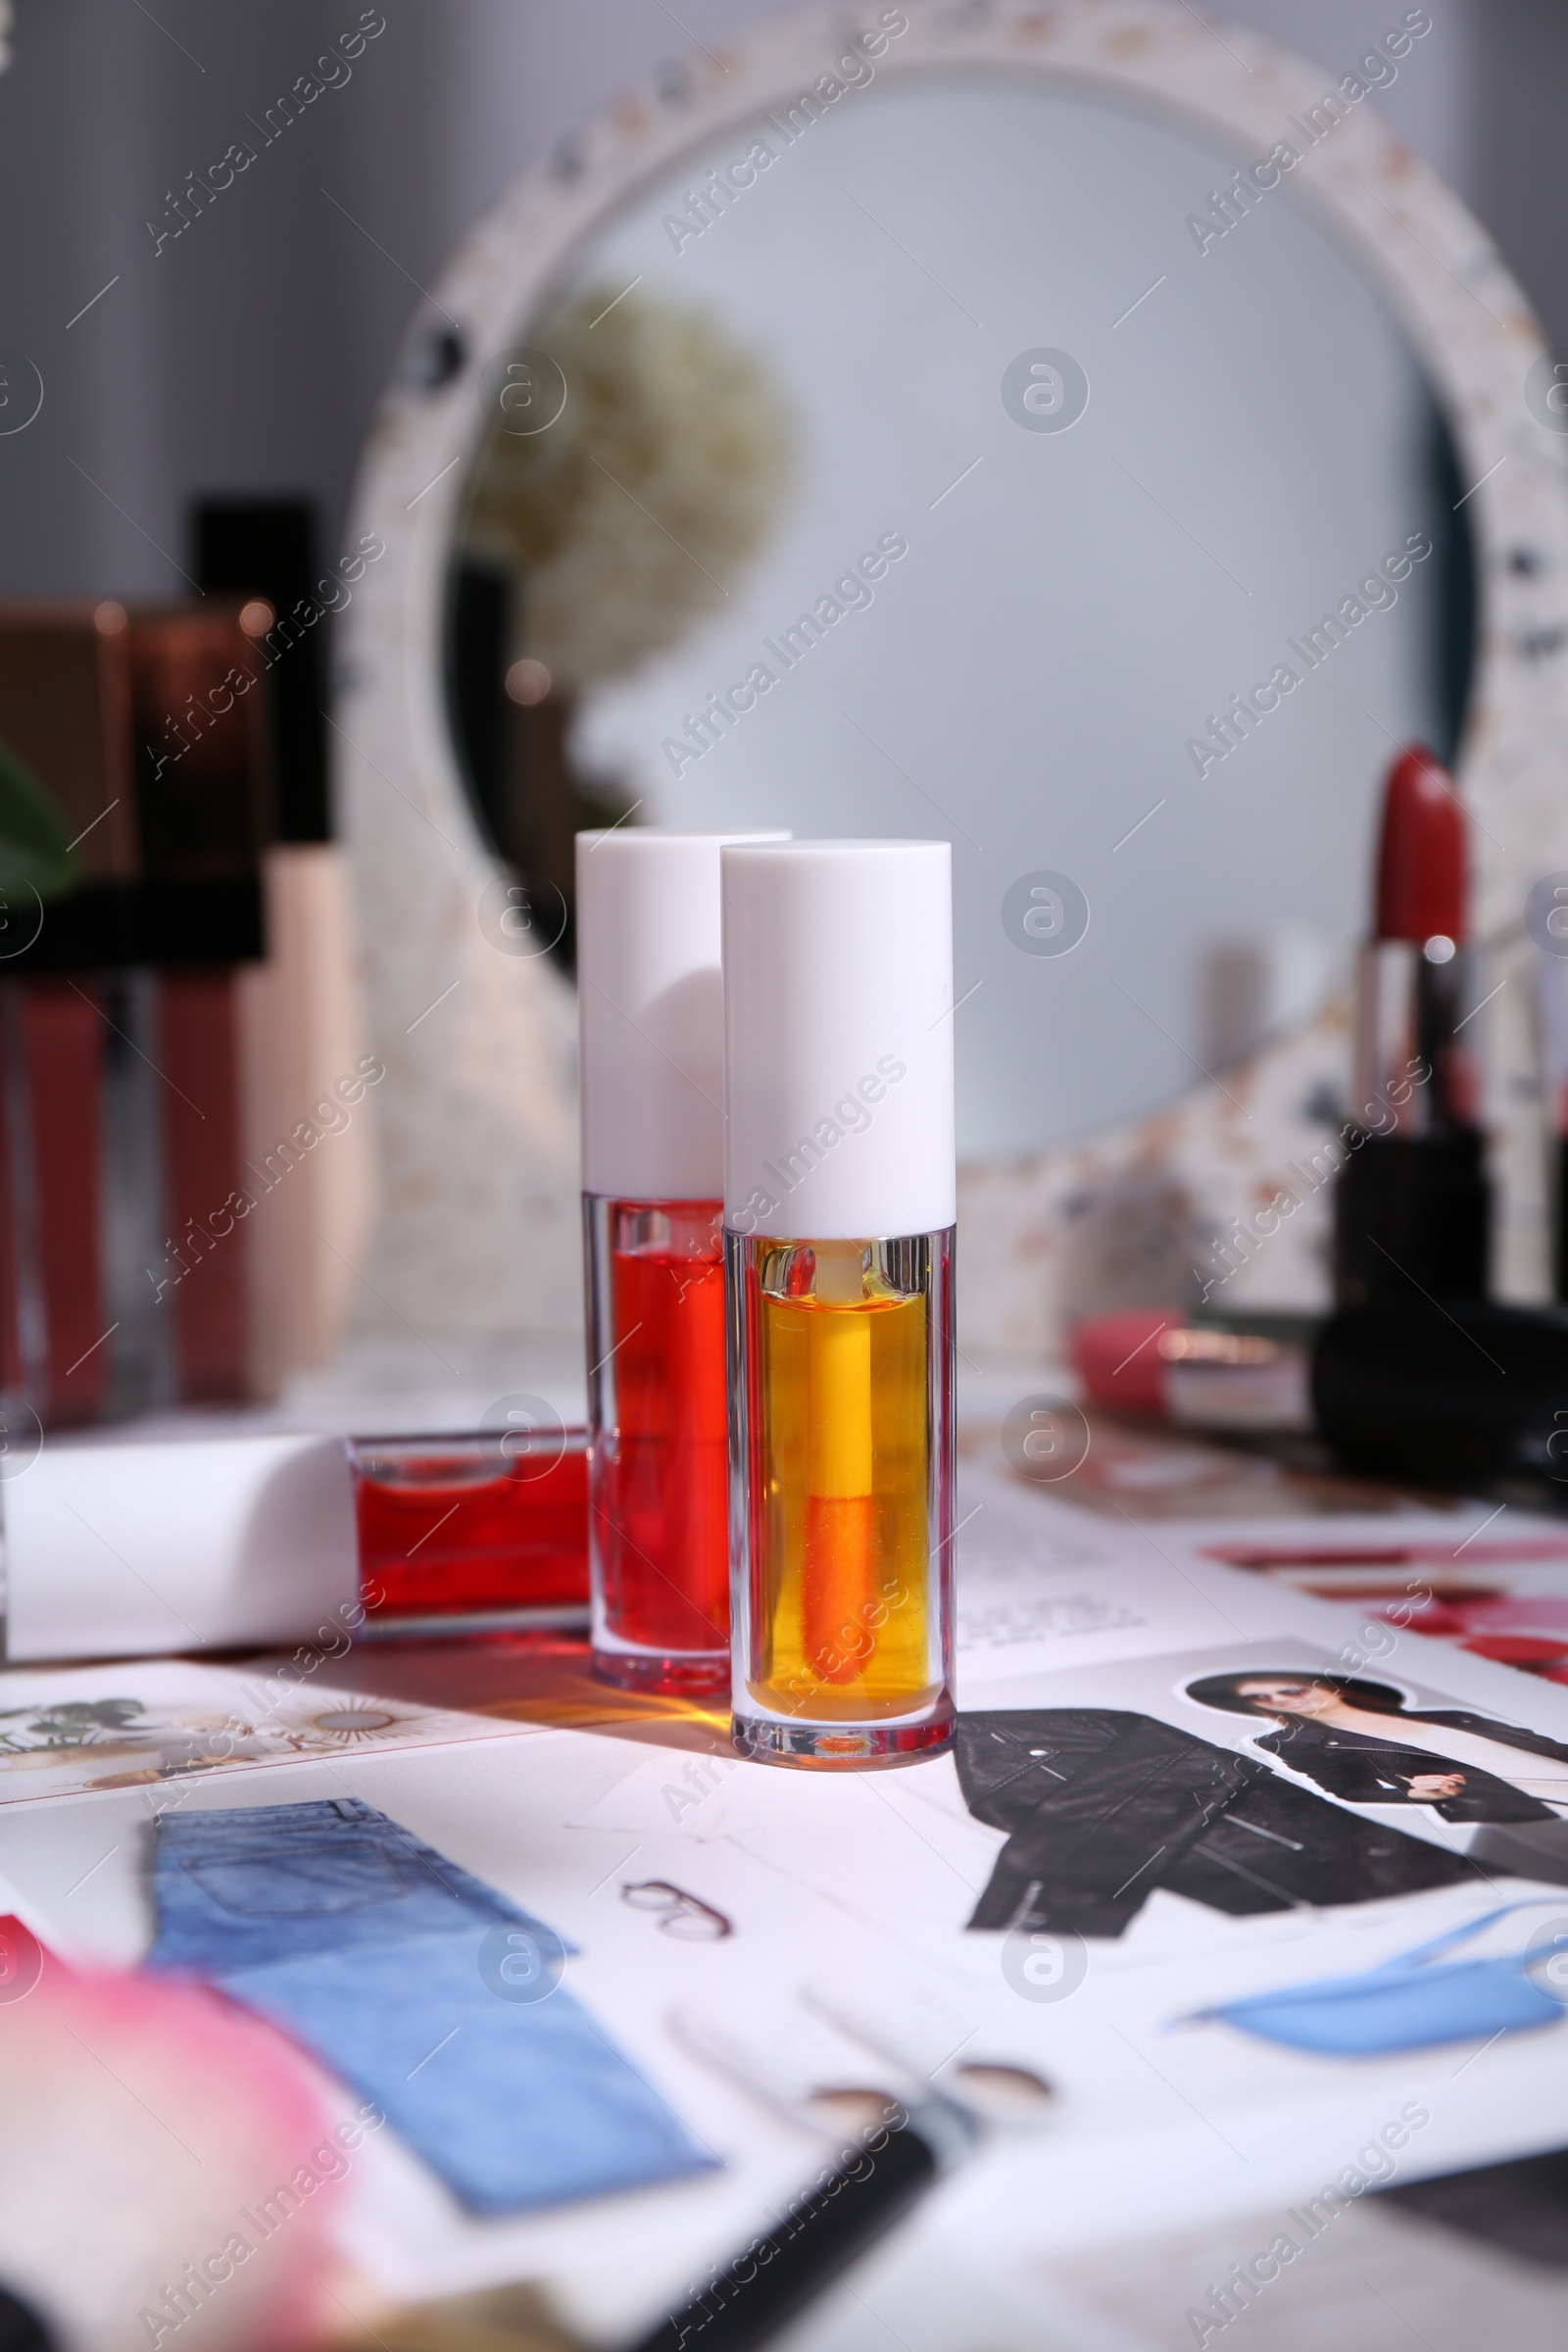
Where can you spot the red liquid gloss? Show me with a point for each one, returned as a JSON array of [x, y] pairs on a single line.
[[658, 1508], [469, 1533]]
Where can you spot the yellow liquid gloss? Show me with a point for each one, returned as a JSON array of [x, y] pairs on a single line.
[[842, 1571]]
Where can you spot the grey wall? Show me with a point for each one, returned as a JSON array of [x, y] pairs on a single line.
[[1520, 177], [246, 354]]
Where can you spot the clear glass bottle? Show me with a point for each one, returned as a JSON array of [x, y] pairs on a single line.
[[650, 996], [841, 1388], [658, 1519], [839, 1207]]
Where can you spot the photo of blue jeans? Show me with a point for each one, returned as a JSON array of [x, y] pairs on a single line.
[[377, 1954]]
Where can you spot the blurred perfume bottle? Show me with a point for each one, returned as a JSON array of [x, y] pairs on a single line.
[[308, 1099], [178, 1030], [205, 786], [650, 1007], [77, 1112]]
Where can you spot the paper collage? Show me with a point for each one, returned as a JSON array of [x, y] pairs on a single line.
[[80, 1729], [1182, 1780]]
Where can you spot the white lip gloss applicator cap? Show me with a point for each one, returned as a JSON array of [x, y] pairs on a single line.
[[651, 1004], [838, 1010]]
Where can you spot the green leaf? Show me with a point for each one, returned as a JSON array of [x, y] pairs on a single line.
[[34, 845]]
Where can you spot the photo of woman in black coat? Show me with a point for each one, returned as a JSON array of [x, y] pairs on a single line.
[[1362, 1743], [1103, 1805]]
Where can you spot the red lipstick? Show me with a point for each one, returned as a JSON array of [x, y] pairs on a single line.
[[1412, 1207], [1421, 852]]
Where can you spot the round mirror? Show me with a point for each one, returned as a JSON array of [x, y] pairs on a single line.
[[909, 463], [1054, 428]]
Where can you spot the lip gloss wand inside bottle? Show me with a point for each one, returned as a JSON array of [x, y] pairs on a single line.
[[839, 1214], [651, 1009]]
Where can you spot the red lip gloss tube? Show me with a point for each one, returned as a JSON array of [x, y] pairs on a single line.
[[651, 1026], [479, 1531]]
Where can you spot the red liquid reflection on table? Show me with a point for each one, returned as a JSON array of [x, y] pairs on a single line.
[[469, 1533], [659, 1473]]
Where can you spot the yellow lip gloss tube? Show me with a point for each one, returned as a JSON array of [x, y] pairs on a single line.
[[838, 1237]]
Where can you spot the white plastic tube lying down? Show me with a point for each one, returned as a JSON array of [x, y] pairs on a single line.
[[124, 1550]]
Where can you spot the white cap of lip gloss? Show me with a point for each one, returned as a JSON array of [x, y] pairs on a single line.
[[130, 1549], [838, 1038], [650, 1012]]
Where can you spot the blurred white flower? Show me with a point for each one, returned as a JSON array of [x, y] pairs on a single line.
[[630, 517]]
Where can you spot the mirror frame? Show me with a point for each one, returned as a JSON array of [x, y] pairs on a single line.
[[478, 1128]]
